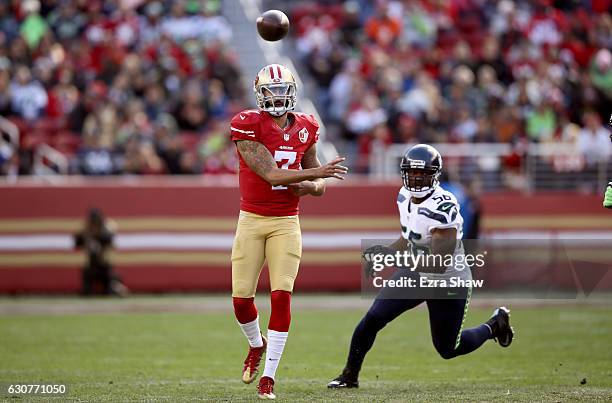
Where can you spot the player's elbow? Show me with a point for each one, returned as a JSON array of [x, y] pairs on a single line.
[[320, 189]]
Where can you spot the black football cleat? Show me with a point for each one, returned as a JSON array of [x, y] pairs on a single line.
[[499, 323], [344, 381]]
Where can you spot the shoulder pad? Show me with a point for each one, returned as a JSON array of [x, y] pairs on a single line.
[[402, 195], [247, 117], [304, 117]]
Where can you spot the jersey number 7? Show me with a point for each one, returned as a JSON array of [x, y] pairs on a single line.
[[287, 158]]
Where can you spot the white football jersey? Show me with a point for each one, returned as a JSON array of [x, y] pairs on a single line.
[[440, 210]]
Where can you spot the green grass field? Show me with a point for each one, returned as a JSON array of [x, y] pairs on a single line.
[[178, 356]]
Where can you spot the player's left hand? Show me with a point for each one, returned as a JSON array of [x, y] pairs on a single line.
[[607, 203], [302, 188]]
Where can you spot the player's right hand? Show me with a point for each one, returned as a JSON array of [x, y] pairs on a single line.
[[332, 169]]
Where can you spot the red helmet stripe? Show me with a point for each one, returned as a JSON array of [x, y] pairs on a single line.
[[280, 74], [271, 73]]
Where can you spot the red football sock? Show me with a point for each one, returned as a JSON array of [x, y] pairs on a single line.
[[280, 317], [244, 309]]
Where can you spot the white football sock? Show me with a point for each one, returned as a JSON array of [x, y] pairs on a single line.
[[252, 332], [276, 344]]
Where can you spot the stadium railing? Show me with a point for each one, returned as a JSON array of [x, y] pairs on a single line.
[[528, 167], [48, 161]]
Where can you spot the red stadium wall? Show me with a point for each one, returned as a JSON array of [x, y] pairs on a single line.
[[175, 234]]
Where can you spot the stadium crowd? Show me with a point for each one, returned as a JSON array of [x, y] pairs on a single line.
[[145, 87], [522, 71], [119, 86]]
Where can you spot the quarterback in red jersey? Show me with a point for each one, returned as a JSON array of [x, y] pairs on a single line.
[[278, 165]]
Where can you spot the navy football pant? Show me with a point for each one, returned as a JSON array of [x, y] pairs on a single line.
[[446, 318]]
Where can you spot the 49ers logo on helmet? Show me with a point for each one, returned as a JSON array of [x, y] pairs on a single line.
[[275, 73], [303, 135]]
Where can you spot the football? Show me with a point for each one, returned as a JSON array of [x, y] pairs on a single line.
[[273, 25]]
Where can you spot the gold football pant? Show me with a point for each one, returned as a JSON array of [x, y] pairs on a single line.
[[275, 239]]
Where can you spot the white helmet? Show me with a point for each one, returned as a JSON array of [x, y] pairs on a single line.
[[275, 90]]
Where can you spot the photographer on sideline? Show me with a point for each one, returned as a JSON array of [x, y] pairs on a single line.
[[96, 239]]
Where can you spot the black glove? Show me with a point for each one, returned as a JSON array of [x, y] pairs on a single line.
[[368, 258]]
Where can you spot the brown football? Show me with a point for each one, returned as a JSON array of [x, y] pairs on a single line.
[[273, 25]]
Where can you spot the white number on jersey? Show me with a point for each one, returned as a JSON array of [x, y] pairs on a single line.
[[287, 158]]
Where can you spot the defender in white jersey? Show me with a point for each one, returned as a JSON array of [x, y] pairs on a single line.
[[431, 225], [420, 221]]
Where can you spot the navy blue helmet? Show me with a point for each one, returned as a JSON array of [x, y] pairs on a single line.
[[420, 168]]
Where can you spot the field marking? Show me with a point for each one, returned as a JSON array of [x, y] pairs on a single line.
[[222, 303]]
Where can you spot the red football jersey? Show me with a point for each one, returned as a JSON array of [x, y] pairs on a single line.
[[287, 148]]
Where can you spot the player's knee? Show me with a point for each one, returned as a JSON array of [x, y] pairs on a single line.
[[283, 283], [243, 288], [244, 309], [373, 321], [446, 351], [280, 317]]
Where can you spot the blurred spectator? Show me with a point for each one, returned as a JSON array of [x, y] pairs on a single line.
[[192, 111], [66, 22], [95, 157], [382, 27], [5, 92], [466, 127], [541, 122], [601, 72], [33, 26], [469, 206], [594, 140], [7, 152], [8, 23], [28, 97], [170, 147]]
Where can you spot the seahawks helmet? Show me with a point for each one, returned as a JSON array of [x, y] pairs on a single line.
[[420, 168]]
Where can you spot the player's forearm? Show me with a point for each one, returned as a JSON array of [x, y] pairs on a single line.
[[310, 161], [277, 176]]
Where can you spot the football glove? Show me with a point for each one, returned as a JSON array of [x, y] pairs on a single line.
[[607, 203], [368, 258]]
